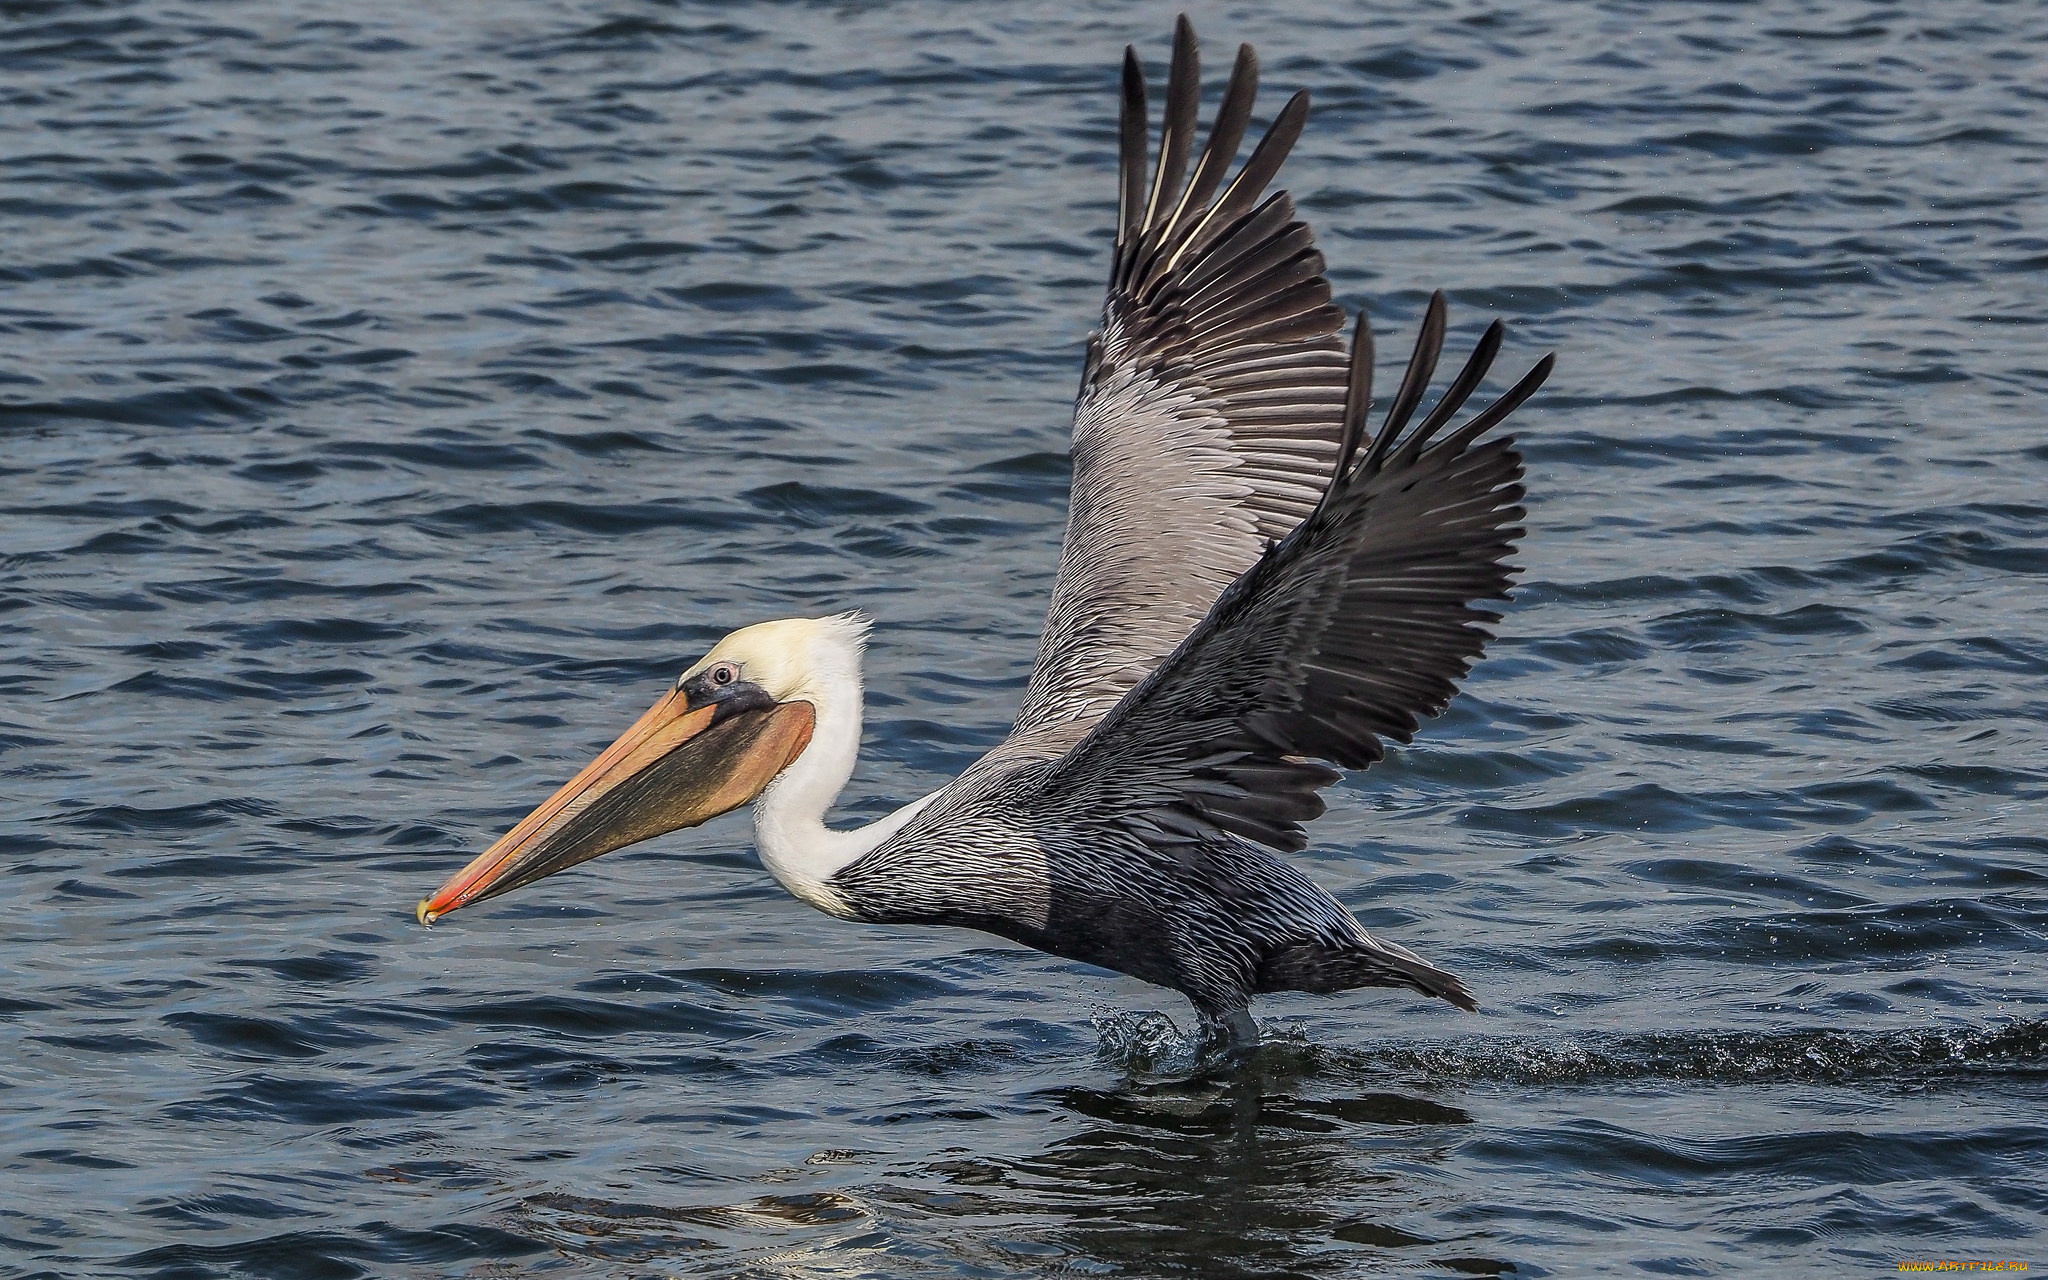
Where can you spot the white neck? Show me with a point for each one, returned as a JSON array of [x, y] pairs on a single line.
[[789, 817]]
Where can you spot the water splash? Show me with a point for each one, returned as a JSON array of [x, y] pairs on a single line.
[[1148, 1046]]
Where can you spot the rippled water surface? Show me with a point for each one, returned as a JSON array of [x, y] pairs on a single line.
[[394, 397]]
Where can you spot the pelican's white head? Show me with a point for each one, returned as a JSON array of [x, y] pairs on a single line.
[[772, 711], [795, 659]]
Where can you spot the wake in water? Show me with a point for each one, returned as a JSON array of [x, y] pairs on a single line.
[[1150, 1048], [2015, 1051]]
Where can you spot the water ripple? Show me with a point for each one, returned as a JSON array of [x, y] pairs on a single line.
[[393, 406]]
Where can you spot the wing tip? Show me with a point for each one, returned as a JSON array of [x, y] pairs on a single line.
[[1383, 453]]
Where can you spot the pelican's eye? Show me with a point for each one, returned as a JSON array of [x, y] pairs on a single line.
[[724, 674]]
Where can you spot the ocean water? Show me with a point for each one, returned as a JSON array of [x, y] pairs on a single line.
[[393, 398]]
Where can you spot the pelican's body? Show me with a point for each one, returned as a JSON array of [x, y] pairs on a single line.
[[1248, 585]]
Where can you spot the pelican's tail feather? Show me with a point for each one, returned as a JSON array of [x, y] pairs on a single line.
[[1321, 968]]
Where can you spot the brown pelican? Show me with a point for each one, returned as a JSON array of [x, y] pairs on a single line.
[[1249, 585]]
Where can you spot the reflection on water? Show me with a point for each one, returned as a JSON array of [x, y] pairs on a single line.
[[1306, 1159], [1225, 1176]]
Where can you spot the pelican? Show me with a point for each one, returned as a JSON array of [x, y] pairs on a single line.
[[1253, 594]]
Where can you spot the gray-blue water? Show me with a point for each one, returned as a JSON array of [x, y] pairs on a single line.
[[393, 398]]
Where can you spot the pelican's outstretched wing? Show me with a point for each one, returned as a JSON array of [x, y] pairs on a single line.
[[1349, 630], [1210, 407]]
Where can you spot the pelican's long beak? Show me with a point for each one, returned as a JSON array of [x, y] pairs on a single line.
[[678, 766]]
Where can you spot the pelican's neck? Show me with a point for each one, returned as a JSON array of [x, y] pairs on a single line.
[[789, 817]]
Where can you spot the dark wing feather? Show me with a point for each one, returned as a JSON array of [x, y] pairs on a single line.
[[1349, 631], [1210, 407]]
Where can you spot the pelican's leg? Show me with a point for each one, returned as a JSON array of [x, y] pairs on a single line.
[[1228, 1032]]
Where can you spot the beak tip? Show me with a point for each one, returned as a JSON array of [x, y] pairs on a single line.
[[427, 917]]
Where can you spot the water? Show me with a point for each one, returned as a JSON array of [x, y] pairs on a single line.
[[391, 404]]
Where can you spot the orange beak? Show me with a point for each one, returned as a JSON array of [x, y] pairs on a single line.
[[676, 767]]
